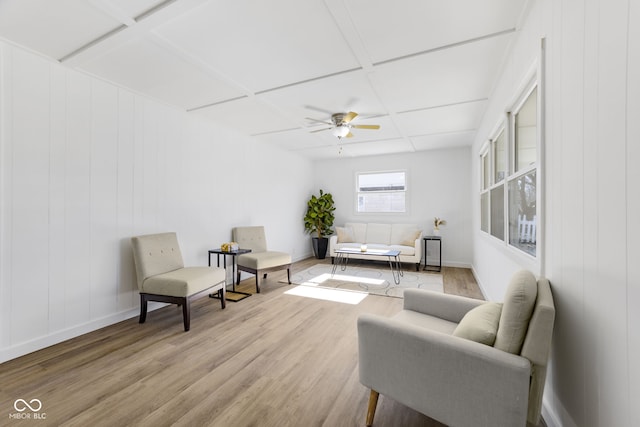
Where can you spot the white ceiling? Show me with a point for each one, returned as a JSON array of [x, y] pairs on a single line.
[[421, 69]]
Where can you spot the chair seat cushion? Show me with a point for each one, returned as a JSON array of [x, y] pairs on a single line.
[[426, 321], [184, 282], [262, 260]]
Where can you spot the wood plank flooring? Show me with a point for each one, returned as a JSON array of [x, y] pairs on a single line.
[[269, 360]]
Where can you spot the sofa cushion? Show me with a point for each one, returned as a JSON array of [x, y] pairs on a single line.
[[359, 231], [480, 324], [345, 235], [409, 238], [404, 250], [401, 234], [378, 233], [518, 305]]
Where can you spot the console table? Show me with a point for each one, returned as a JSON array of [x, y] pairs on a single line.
[[430, 267]]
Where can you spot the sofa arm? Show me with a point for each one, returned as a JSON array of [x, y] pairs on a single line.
[[455, 381], [333, 241], [438, 304], [418, 248]]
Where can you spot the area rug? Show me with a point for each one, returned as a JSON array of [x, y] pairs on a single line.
[[376, 281]]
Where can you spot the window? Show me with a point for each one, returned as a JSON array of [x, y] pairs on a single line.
[[526, 125], [497, 212], [523, 217], [493, 165], [499, 154], [509, 184], [381, 192], [522, 212]]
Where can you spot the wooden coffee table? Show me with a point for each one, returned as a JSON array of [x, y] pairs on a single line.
[[342, 259]]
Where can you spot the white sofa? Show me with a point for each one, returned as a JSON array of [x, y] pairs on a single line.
[[403, 237]]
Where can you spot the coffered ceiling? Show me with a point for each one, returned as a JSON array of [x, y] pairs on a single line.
[[421, 69]]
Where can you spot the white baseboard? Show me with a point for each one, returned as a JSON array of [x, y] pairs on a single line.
[[455, 264], [57, 337], [479, 282]]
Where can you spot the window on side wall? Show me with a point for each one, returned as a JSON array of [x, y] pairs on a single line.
[[509, 166], [493, 170], [381, 192], [523, 183]]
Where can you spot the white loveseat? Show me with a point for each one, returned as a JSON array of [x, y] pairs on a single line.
[[405, 238]]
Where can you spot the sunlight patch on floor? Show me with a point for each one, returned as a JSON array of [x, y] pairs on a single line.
[[321, 278], [345, 297]]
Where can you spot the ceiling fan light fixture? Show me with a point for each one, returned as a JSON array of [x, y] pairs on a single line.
[[341, 131]]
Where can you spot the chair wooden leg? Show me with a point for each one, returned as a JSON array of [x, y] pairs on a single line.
[[223, 298], [143, 308], [257, 282], [288, 276], [371, 411], [186, 314]]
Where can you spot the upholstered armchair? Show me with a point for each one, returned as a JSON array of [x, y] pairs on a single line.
[[163, 277], [260, 260], [461, 361]]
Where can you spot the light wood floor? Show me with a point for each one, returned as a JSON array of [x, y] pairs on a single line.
[[269, 360]]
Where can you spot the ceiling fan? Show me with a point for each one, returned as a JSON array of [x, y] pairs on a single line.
[[341, 124]]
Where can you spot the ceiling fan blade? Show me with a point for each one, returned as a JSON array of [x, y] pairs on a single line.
[[321, 110], [349, 135], [349, 116], [320, 130], [366, 126], [319, 121]]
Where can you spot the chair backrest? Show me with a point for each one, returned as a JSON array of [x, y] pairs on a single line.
[[155, 254], [537, 346], [250, 238]]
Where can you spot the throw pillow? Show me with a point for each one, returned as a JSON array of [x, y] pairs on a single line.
[[480, 324], [345, 234], [516, 311], [409, 239]]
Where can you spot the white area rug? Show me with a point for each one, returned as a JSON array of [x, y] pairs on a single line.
[[376, 281]]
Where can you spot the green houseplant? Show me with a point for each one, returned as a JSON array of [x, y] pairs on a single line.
[[318, 221]]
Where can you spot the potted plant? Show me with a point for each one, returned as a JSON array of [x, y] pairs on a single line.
[[318, 221]]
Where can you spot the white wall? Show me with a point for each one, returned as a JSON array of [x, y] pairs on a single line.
[[85, 165], [592, 204], [438, 185]]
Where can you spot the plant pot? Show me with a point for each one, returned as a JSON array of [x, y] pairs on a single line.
[[320, 245]]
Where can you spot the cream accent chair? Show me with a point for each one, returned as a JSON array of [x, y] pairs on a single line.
[[461, 361], [163, 277], [259, 260]]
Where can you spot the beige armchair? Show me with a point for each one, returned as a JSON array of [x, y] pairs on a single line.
[[461, 361], [163, 277], [259, 261]]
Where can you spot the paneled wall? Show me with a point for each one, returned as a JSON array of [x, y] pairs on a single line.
[[85, 165], [591, 204], [437, 185]]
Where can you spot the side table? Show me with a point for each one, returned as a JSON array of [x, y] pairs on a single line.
[[233, 255], [430, 267]]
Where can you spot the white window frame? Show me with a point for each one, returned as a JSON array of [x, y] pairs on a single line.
[[513, 174], [380, 172], [507, 124]]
